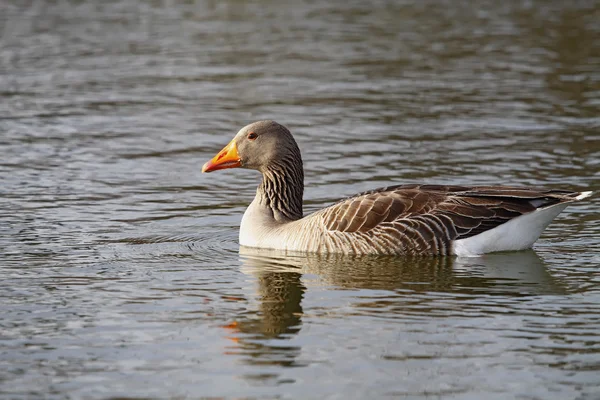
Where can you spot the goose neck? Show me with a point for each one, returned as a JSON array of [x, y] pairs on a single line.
[[281, 190]]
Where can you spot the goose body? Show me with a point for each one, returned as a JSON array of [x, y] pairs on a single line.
[[403, 219]]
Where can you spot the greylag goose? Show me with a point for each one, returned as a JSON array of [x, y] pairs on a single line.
[[403, 219]]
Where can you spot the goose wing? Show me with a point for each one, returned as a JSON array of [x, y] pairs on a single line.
[[427, 218]]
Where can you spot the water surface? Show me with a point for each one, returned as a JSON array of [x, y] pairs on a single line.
[[121, 271]]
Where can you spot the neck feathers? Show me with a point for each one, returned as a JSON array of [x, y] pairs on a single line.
[[282, 188]]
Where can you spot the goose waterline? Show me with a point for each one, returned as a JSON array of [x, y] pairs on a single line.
[[403, 219]]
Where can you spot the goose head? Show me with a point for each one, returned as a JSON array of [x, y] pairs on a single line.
[[261, 146]]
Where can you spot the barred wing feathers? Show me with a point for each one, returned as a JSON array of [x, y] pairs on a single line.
[[424, 219]]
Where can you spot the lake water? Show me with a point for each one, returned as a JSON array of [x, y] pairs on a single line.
[[121, 274]]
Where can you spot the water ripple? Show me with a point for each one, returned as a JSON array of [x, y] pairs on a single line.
[[119, 259]]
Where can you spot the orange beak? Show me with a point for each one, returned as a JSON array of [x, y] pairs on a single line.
[[227, 158]]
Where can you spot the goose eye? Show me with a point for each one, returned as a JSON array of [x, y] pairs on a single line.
[[252, 136]]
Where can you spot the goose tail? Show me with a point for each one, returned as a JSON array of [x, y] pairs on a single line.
[[583, 195]]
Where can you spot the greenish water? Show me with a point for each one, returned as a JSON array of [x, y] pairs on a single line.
[[121, 273]]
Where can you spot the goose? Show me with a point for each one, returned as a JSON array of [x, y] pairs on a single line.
[[409, 219]]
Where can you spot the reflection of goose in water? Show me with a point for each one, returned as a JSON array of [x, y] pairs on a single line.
[[510, 273], [280, 293], [281, 289]]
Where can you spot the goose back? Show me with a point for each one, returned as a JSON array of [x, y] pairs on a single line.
[[422, 219]]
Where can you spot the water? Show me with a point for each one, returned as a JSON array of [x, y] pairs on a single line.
[[121, 272]]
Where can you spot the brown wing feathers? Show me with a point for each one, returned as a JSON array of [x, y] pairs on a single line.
[[425, 218]]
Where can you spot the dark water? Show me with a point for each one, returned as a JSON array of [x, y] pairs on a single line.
[[120, 270]]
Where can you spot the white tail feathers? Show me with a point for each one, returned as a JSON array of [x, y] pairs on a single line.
[[583, 195]]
